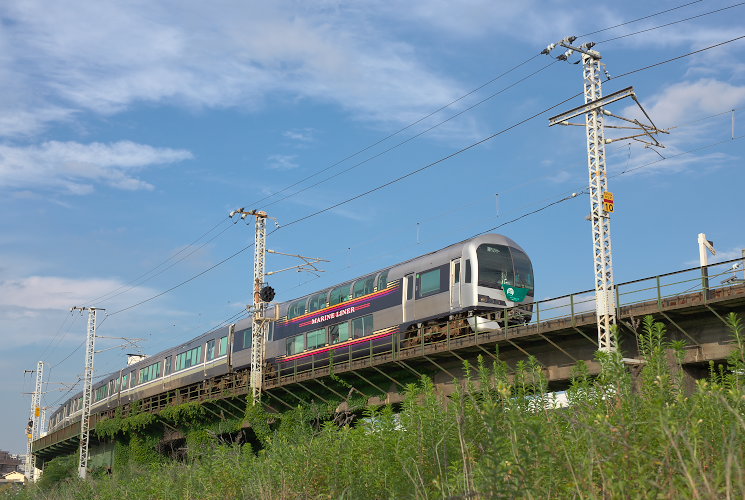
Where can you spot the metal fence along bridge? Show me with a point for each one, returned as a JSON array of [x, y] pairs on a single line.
[[562, 332]]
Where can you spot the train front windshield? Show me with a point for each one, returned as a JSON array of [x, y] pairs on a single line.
[[500, 265]]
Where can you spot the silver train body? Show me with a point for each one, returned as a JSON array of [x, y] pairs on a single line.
[[469, 282]]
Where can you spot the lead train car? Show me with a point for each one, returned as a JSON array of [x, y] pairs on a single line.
[[464, 281]]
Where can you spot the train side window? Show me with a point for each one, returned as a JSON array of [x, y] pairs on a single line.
[[222, 347], [295, 344], [456, 273], [339, 333], [211, 350], [429, 282], [410, 287], [318, 301], [339, 294], [468, 270], [363, 286], [362, 327], [296, 309], [168, 365], [316, 338], [383, 280]]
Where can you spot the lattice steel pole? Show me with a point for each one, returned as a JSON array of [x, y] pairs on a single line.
[[259, 322], [90, 346], [605, 301], [34, 422]]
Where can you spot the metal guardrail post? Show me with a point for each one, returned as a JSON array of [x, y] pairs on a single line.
[[537, 312], [571, 306], [618, 299], [705, 283], [659, 293]]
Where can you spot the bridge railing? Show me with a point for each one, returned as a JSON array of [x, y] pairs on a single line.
[[573, 306]]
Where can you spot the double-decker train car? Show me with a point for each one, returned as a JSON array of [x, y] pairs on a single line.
[[471, 283]]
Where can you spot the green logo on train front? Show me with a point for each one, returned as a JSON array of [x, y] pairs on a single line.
[[515, 293]]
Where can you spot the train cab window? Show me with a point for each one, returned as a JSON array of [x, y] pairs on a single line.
[[429, 282], [523, 270], [362, 327], [339, 333], [211, 350], [340, 294], [495, 266], [318, 301], [168, 365], [316, 338], [295, 344], [468, 271], [363, 286], [296, 309], [382, 280], [222, 347]]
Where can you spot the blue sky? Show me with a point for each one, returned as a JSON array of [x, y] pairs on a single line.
[[130, 129]]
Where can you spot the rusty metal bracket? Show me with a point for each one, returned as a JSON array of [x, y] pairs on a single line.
[[418, 375], [382, 391], [278, 399], [557, 347], [487, 352], [440, 367], [680, 328], [576, 328], [389, 377], [716, 314], [330, 389], [312, 392], [292, 394]]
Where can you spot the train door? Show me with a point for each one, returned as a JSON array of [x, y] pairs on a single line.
[[455, 284], [408, 298], [231, 342]]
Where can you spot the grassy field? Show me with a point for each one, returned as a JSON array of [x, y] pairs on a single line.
[[499, 437]]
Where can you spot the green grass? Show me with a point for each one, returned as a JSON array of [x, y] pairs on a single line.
[[498, 437]]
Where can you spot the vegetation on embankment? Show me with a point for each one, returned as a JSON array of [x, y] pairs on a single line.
[[498, 438]]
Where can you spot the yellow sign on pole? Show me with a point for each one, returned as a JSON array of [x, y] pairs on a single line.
[[608, 201]]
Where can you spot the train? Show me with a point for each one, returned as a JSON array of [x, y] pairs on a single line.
[[483, 282]]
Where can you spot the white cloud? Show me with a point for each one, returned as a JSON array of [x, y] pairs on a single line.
[[685, 101], [282, 162], [301, 135], [75, 168], [104, 57], [35, 293]]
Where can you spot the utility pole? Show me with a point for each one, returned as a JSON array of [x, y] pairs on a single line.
[[261, 295], [90, 345], [601, 200], [33, 429]]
